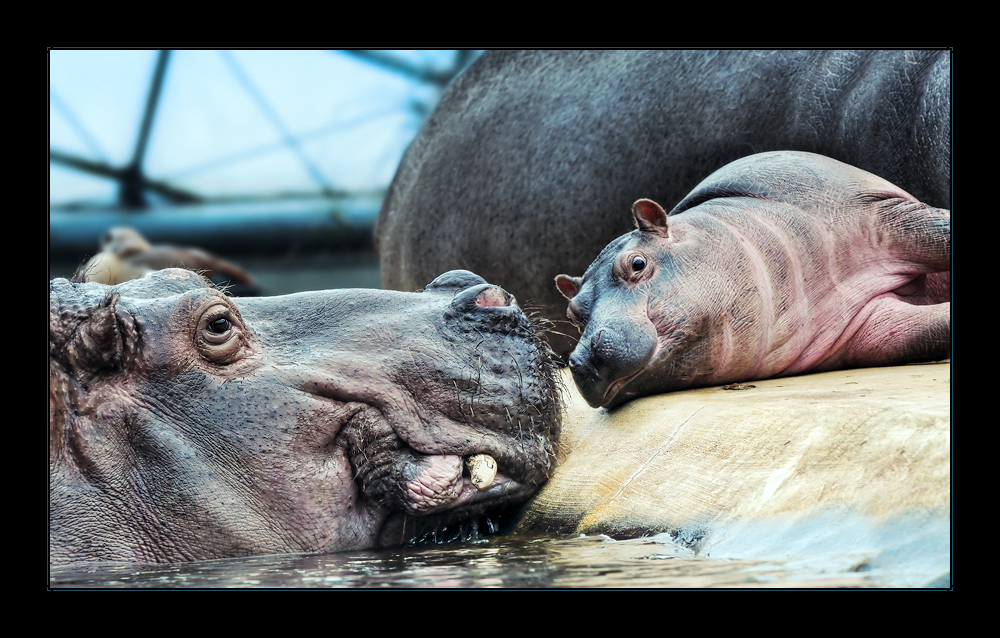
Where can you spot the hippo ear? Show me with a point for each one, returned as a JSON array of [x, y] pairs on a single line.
[[650, 217], [568, 286], [91, 342]]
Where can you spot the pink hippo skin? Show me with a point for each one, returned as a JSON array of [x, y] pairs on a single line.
[[777, 264]]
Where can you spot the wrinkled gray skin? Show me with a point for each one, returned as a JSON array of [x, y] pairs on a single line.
[[188, 425], [777, 264], [520, 172]]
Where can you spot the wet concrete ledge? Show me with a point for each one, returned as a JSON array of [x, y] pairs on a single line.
[[854, 462]]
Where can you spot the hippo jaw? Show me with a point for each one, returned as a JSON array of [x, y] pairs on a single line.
[[601, 371], [398, 473], [487, 396]]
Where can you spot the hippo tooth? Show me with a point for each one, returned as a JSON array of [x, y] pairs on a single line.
[[482, 470]]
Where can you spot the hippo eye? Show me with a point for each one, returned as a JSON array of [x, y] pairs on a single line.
[[220, 326], [638, 263], [220, 335]]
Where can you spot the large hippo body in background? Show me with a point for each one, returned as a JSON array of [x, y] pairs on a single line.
[[188, 425], [523, 170]]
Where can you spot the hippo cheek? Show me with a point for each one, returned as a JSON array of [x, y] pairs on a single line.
[[460, 422], [609, 357]]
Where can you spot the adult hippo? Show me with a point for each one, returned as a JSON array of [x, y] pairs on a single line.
[[186, 425], [519, 171], [777, 264]]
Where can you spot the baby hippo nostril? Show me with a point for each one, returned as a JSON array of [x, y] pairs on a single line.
[[596, 342], [493, 297], [580, 365]]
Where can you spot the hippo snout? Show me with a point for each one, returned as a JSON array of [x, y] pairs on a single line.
[[580, 365], [605, 360], [473, 293], [586, 362], [455, 280]]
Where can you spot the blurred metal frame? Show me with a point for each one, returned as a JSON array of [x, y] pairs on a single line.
[[327, 220]]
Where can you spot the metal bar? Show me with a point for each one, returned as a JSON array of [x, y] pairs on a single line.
[[402, 67], [269, 227], [102, 169], [132, 180], [276, 121], [76, 125]]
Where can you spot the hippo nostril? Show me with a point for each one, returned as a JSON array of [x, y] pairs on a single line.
[[456, 280], [474, 299], [493, 297], [580, 365], [596, 341]]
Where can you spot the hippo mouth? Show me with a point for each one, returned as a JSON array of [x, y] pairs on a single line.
[[451, 482], [613, 390], [430, 484], [610, 397], [434, 485], [466, 425], [461, 415]]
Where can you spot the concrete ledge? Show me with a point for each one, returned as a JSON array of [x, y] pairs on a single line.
[[855, 461]]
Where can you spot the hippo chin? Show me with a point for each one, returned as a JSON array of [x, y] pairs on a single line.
[[188, 425], [777, 264]]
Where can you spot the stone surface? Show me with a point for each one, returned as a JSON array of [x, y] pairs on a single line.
[[848, 462]]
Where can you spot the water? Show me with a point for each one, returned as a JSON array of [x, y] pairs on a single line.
[[494, 562]]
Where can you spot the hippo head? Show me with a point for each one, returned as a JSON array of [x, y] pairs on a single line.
[[640, 330], [188, 425]]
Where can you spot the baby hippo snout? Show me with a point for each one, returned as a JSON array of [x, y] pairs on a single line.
[[584, 362], [606, 359]]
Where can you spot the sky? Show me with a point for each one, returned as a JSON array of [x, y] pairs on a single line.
[[224, 119]]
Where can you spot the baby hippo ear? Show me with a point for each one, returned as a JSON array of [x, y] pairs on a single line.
[[568, 286], [650, 217]]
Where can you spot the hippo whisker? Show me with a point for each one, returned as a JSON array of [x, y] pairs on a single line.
[[520, 380], [479, 370], [458, 398]]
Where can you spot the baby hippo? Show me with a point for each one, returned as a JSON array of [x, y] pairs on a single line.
[[777, 264]]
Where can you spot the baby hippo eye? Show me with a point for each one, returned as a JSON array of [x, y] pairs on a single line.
[[638, 263], [220, 325]]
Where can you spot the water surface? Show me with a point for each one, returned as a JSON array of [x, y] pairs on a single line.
[[498, 561]]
